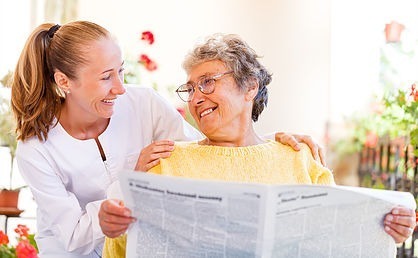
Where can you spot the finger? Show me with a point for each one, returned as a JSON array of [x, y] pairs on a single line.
[[116, 233], [312, 145], [115, 207], [164, 142], [407, 221], [322, 157], [152, 164], [401, 210], [395, 235], [162, 148], [290, 140], [159, 155]]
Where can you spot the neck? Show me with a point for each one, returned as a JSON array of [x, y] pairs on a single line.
[[242, 138], [82, 127]]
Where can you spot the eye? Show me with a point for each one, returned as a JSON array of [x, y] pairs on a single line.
[[106, 78], [207, 82], [186, 89], [122, 69]]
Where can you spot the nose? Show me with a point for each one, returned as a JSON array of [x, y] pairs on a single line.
[[197, 97], [118, 88]]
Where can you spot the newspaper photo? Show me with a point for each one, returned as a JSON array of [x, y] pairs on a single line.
[[180, 217]]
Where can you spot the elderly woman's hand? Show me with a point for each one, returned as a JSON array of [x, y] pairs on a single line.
[[400, 223], [293, 141], [114, 218], [150, 156]]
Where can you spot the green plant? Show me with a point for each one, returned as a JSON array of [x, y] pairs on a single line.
[[26, 246], [392, 116], [401, 109]]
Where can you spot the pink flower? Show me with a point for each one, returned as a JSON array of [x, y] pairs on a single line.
[[148, 36], [371, 139], [149, 64], [22, 230], [25, 250]]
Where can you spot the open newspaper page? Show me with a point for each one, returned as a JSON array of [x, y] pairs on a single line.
[[323, 221], [180, 217]]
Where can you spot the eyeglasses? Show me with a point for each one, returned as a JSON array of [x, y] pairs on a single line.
[[206, 85]]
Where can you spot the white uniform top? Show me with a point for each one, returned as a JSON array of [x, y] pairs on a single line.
[[69, 179]]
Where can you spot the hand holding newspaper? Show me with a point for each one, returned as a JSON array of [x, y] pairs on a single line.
[[180, 217]]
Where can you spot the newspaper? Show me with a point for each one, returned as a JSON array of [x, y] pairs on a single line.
[[180, 217]]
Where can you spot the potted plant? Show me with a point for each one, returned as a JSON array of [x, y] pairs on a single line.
[[9, 195]]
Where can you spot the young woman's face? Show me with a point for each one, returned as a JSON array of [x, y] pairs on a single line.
[[99, 82]]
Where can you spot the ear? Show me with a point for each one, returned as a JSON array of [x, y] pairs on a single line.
[[252, 90], [62, 81]]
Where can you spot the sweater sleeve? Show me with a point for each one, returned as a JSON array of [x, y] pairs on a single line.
[[155, 170], [319, 174], [115, 247]]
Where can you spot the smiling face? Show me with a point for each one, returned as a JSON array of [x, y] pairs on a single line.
[[224, 114], [97, 84]]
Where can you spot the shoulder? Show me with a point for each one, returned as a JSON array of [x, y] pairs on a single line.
[[185, 147], [135, 91]]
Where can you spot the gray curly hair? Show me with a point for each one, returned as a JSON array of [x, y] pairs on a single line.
[[238, 57]]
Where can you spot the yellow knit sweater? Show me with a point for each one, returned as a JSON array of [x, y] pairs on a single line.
[[269, 163]]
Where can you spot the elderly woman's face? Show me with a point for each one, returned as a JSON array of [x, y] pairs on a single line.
[[221, 113]]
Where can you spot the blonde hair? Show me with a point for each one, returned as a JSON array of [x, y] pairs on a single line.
[[36, 99]]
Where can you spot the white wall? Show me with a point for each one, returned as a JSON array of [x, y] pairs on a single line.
[[293, 37], [324, 54]]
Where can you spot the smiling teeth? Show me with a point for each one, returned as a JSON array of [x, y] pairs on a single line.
[[108, 100], [206, 112]]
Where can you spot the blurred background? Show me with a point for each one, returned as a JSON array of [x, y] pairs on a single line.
[[334, 63]]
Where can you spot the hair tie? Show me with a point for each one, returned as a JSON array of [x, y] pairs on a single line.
[[52, 30]]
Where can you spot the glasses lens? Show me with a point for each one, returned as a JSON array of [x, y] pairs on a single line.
[[185, 92], [207, 85]]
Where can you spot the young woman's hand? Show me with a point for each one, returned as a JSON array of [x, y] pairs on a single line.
[[150, 156], [293, 141], [114, 218]]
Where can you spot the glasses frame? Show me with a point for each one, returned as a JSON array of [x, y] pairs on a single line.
[[199, 83]]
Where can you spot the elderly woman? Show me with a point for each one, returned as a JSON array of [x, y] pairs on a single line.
[[226, 91]]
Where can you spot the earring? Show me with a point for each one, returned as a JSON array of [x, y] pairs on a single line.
[[68, 91]]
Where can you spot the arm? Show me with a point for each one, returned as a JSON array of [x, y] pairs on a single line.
[[62, 220], [400, 223]]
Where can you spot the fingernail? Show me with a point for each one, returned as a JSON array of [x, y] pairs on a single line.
[[389, 217], [387, 229], [395, 211], [127, 213]]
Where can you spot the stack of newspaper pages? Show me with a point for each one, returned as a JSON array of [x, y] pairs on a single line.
[[180, 217]]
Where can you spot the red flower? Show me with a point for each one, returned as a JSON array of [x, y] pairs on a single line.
[[22, 230], [148, 36], [149, 64], [414, 92], [4, 239], [25, 250]]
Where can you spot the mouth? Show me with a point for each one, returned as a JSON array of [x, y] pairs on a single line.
[[207, 111], [108, 101]]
